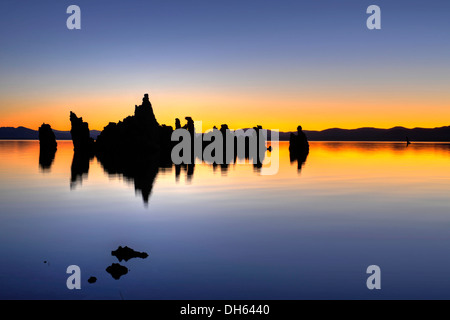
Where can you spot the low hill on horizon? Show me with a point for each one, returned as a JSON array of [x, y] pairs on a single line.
[[22, 133], [374, 134], [440, 134]]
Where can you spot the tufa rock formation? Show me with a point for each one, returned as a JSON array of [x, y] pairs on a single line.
[[139, 134], [136, 148], [47, 139], [298, 144], [82, 141], [298, 147], [83, 146], [48, 146]]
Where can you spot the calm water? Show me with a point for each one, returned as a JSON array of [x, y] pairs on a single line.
[[231, 234]]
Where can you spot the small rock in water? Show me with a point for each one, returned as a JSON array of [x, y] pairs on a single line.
[[126, 253], [116, 270]]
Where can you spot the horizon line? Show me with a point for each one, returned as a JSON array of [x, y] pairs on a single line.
[[318, 130]]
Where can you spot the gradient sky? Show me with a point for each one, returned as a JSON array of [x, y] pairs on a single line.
[[273, 63]]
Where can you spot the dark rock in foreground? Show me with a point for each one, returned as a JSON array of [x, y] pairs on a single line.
[[126, 253], [116, 270]]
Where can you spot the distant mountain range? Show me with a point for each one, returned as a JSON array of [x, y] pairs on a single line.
[[361, 134], [22, 133], [374, 134]]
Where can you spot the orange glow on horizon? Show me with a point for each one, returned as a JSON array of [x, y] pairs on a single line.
[[240, 110]]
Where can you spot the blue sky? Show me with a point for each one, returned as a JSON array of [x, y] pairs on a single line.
[[247, 47]]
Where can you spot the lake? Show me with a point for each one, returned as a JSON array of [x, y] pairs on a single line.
[[308, 232]]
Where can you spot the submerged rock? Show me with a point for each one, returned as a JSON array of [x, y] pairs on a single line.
[[126, 253], [92, 279], [116, 270]]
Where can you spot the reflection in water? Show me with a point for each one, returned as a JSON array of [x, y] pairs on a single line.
[[356, 204], [79, 168], [300, 159], [142, 170], [297, 154], [223, 168], [372, 146], [46, 158], [188, 168]]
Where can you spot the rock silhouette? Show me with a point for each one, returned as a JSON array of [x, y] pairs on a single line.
[[298, 148], [136, 135], [141, 134], [116, 270], [82, 141], [298, 144], [47, 146], [138, 147], [84, 149], [126, 253], [135, 147], [47, 139], [92, 279]]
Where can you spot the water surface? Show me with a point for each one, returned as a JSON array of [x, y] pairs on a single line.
[[308, 232]]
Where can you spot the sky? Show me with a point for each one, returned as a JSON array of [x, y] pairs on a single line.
[[278, 64]]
